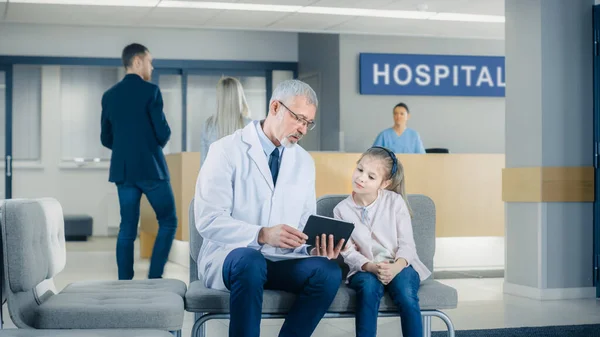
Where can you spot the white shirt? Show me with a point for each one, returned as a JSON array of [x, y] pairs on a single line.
[[383, 231]]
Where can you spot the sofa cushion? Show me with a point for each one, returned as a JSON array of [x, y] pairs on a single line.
[[134, 310], [432, 295], [127, 286]]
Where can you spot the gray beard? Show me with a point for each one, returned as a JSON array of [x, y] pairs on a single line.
[[285, 142]]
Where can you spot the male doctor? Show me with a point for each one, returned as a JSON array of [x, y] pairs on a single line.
[[254, 195]]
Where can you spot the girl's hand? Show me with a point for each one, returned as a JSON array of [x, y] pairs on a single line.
[[370, 267], [387, 271]]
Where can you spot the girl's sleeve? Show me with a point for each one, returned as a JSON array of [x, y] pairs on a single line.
[[406, 241], [353, 258]]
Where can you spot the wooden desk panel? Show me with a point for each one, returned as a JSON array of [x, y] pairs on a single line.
[[183, 168], [466, 188], [548, 184]]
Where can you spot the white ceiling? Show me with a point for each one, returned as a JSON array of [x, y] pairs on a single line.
[[151, 13]]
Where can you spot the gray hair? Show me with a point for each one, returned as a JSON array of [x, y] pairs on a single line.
[[292, 88]]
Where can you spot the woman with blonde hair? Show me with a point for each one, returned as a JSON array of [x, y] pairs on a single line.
[[232, 114]]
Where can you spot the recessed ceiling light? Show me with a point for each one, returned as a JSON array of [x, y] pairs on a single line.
[[360, 12], [229, 5], [467, 17], [367, 12], [119, 3], [421, 14]]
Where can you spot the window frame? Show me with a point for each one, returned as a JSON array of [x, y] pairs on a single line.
[[165, 66]]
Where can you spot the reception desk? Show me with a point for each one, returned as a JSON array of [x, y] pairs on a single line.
[[183, 168], [466, 189]]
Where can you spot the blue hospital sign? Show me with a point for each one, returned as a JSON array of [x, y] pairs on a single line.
[[431, 75]]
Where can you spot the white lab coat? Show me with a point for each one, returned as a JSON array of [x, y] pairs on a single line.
[[235, 198]]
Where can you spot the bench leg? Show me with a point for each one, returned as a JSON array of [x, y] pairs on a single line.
[[176, 333], [199, 329], [436, 313], [426, 325]]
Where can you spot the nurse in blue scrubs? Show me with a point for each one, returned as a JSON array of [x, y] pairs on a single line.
[[400, 138]]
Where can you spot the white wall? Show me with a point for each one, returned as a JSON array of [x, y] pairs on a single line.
[[462, 124], [79, 190], [318, 65], [87, 190], [550, 245], [166, 43]]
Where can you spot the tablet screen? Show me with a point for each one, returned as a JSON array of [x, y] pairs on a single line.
[[318, 225]]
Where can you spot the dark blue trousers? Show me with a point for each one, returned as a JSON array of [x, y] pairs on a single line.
[[160, 197], [247, 273], [403, 290]]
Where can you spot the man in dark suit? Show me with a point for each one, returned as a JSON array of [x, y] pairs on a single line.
[[135, 129]]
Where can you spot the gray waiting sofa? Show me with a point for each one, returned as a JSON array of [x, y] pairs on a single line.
[[208, 304], [34, 252]]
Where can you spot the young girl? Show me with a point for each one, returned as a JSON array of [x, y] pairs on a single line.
[[382, 254]]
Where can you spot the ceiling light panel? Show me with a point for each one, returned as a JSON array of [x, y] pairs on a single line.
[[119, 3]]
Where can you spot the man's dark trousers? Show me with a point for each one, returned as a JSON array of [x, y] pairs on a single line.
[[246, 272]]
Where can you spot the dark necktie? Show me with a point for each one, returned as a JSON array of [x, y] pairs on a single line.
[[274, 165]]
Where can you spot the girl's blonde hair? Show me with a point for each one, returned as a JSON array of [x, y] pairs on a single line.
[[393, 168], [232, 107]]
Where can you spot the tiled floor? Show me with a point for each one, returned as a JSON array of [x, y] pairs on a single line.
[[482, 304]]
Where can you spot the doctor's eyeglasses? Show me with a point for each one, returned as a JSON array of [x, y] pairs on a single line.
[[300, 119]]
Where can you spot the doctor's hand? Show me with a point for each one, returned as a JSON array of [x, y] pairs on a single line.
[[281, 236], [326, 247]]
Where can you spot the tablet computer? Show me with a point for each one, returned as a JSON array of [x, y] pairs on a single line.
[[318, 225]]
